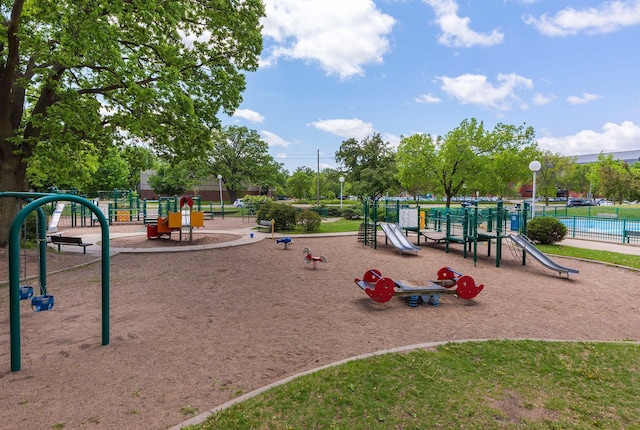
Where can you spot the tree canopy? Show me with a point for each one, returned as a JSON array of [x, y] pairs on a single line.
[[468, 157], [370, 166], [79, 76], [242, 158]]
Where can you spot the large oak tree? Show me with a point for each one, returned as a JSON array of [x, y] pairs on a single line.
[[78, 76]]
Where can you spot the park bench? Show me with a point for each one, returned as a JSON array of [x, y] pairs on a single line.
[[67, 240], [628, 234], [264, 224], [607, 215]]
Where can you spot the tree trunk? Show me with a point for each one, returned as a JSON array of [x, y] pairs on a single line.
[[12, 178]]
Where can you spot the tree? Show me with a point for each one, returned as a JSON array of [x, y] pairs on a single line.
[[173, 179], [300, 183], [113, 173], [414, 154], [242, 158], [370, 166], [138, 159], [579, 178], [79, 76], [616, 179], [468, 157], [553, 174]]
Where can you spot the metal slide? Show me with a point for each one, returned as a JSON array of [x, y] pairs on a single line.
[[524, 243], [398, 239]]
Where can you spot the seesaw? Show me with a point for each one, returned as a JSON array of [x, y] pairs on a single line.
[[286, 240], [382, 289]]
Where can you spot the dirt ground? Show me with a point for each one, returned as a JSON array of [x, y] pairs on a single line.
[[192, 330]]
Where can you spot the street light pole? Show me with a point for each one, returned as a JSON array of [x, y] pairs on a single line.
[[341, 179], [220, 185], [534, 166]]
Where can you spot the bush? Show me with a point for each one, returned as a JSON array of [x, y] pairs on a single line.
[[285, 216], [352, 213], [252, 204], [546, 230], [309, 220], [333, 211]]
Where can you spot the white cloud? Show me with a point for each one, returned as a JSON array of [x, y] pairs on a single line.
[[273, 139], [348, 128], [614, 137], [393, 140], [609, 17], [586, 98], [475, 89], [541, 99], [249, 115], [455, 29], [342, 36], [427, 99]]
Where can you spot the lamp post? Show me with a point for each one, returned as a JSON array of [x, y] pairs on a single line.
[[534, 166], [341, 179], [220, 185]]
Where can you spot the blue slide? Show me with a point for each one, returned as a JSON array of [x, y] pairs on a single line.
[[524, 243]]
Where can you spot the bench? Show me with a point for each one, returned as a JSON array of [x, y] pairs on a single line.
[[264, 224], [607, 215], [67, 240], [628, 234]]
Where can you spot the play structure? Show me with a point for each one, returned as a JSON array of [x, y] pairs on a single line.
[[468, 226], [184, 220], [284, 240], [527, 246], [44, 301], [309, 258], [381, 289]]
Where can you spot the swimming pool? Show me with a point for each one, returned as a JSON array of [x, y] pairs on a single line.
[[598, 228]]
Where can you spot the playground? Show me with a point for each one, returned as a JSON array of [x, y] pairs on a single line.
[[192, 330]]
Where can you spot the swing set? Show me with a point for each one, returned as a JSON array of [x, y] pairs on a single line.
[[45, 301]]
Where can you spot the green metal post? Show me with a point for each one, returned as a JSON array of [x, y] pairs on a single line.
[[500, 216]]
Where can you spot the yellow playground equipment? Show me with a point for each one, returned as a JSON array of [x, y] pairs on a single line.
[[185, 220]]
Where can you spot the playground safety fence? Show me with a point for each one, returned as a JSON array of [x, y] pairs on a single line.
[[606, 228]]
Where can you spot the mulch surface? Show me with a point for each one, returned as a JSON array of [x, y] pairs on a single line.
[[195, 329]]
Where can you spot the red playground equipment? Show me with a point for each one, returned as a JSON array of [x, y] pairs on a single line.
[[308, 257], [177, 221], [382, 289]]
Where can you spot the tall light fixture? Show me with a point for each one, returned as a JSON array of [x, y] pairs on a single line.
[[341, 179], [534, 166], [220, 185]]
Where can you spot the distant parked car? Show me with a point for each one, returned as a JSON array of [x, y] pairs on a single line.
[[238, 203], [580, 202], [606, 203]]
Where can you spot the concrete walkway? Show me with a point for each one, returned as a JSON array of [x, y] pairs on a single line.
[[249, 236]]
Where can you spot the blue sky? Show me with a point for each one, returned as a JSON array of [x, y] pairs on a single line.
[[336, 69]]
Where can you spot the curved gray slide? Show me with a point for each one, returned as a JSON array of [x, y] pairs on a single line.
[[524, 243], [398, 239]]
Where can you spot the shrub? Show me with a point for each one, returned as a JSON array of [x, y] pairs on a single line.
[[333, 211], [285, 216], [546, 230], [352, 213], [309, 220], [253, 203]]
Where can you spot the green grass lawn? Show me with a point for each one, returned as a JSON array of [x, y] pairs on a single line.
[[474, 385]]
